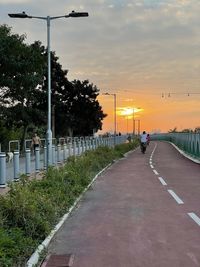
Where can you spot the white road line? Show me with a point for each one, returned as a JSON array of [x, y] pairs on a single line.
[[162, 181], [194, 217], [155, 172], [174, 195], [152, 166]]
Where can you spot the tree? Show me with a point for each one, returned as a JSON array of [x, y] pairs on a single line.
[[85, 115], [187, 130], [23, 90], [173, 130], [21, 70], [77, 111], [197, 130], [60, 88]]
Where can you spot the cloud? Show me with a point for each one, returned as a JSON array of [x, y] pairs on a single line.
[[14, 1], [140, 45]]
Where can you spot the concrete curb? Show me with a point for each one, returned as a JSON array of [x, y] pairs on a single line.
[[185, 154]]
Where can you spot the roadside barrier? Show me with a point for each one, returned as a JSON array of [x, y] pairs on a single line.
[[37, 161]]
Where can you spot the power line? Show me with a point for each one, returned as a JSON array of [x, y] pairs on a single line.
[[178, 93]]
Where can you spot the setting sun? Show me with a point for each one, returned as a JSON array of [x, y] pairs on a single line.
[[127, 111]]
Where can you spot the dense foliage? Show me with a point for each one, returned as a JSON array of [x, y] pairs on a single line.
[[31, 208], [23, 92]]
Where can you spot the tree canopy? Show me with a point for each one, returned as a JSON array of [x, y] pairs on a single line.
[[77, 111], [23, 90]]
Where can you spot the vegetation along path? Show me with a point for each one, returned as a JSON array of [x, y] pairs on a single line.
[[142, 212]]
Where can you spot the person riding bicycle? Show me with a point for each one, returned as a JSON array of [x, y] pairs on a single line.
[[143, 141]]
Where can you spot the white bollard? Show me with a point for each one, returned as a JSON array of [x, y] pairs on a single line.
[[37, 159], [28, 162], [16, 165], [45, 157], [2, 170], [74, 148], [64, 152], [53, 155], [58, 153]]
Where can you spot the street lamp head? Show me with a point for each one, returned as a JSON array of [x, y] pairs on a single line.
[[74, 14], [22, 15]]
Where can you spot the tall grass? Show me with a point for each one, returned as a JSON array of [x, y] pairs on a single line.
[[31, 209]]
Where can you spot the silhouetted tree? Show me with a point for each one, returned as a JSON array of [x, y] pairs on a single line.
[[77, 111], [85, 115], [173, 130], [197, 130], [21, 70]]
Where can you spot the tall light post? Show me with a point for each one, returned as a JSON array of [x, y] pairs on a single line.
[[138, 130], [115, 115], [48, 19], [134, 120]]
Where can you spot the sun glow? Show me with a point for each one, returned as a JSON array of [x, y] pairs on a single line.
[[127, 111]]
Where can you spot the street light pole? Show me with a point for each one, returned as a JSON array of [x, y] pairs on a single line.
[[49, 131], [48, 19], [115, 114], [133, 123], [134, 119], [115, 117]]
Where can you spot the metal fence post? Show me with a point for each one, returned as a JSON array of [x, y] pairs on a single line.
[[70, 149], [64, 152], [86, 145], [83, 146], [79, 147], [58, 153], [45, 157], [93, 144], [90, 144], [53, 155], [37, 159], [28, 162], [16, 165], [74, 148], [2, 170]]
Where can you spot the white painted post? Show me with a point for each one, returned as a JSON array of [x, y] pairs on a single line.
[[64, 151], [53, 155], [37, 159], [28, 162], [2, 170], [45, 157], [58, 153], [16, 165], [74, 148]]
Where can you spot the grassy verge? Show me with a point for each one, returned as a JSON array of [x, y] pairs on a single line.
[[31, 209]]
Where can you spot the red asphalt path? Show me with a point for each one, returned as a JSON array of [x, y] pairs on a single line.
[[129, 219]]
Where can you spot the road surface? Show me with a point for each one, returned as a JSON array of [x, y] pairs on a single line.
[[142, 212]]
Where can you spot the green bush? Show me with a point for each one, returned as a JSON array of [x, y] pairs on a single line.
[[32, 207]]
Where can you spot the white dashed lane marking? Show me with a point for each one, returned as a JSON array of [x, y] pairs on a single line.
[[194, 217], [174, 195], [155, 172], [162, 181]]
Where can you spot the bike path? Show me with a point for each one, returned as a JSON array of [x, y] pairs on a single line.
[[129, 217]]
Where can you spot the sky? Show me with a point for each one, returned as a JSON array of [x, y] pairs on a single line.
[[147, 52]]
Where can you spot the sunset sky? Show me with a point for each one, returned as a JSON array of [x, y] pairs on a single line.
[[147, 52]]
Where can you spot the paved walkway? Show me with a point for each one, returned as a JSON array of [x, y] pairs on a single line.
[[139, 213]]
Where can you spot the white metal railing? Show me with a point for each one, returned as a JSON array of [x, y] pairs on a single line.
[[37, 161]]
